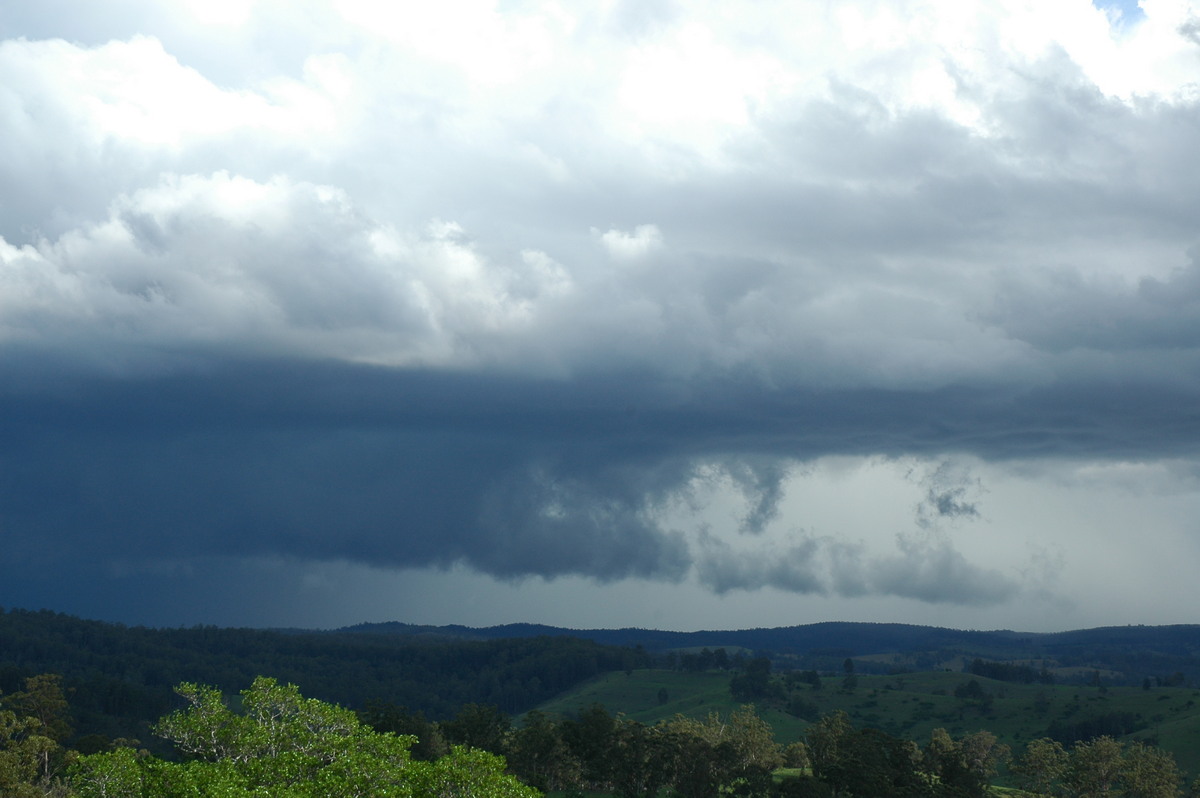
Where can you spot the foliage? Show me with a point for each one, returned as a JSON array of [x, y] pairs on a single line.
[[24, 752], [1099, 767], [1043, 764], [32, 724], [288, 746]]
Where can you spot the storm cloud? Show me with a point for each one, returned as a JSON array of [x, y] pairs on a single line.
[[542, 293]]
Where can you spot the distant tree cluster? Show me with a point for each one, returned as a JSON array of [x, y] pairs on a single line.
[[598, 751], [1010, 672], [869, 762], [701, 661], [1108, 724]]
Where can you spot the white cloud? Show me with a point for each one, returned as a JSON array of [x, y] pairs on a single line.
[[620, 245]]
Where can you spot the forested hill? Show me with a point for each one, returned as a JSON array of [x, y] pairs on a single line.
[[855, 638], [1135, 652], [121, 676]]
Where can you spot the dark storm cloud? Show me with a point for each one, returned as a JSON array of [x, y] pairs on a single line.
[[513, 476]]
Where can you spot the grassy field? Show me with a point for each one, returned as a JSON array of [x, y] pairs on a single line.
[[911, 706]]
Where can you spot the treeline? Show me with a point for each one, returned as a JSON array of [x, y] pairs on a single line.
[[1010, 672], [717, 755], [120, 678]]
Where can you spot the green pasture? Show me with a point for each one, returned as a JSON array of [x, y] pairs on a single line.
[[910, 706]]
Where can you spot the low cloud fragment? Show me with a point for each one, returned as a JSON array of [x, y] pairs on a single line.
[[924, 568], [620, 245], [951, 494]]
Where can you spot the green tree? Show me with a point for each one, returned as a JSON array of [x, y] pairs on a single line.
[[795, 755], [481, 726], [1094, 768], [466, 773], [825, 738], [1042, 765], [591, 738], [43, 698], [963, 768], [24, 751], [738, 752], [1148, 772], [643, 758], [540, 756], [983, 755], [870, 762], [387, 717], [44, 702]]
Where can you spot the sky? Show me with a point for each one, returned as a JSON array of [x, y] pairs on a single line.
[[703, 315]]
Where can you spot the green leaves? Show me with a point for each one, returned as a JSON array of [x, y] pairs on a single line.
[[285, 746]]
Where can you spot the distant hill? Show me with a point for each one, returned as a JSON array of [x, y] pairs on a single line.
[[1127, 654]]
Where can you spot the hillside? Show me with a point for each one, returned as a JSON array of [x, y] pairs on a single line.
[[912, 705]]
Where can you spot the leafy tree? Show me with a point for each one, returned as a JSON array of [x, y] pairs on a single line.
[[43, 702], [24, 751], [795, 755], [592, 738], [825, 738], [963, 768], [481, 726], [737, 753], [1094, 768], [466, 773], [1043, 763], [983, 754], [540, 756], [1148, 772], [644, 758], [285, 746], [870, 762], [386, 717], [43, 698]]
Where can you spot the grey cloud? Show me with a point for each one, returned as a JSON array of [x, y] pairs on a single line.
[[925, 568], [796, 569], [950, 494], [931, 570], [1068, 312], [539, 521], [761, 482]]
